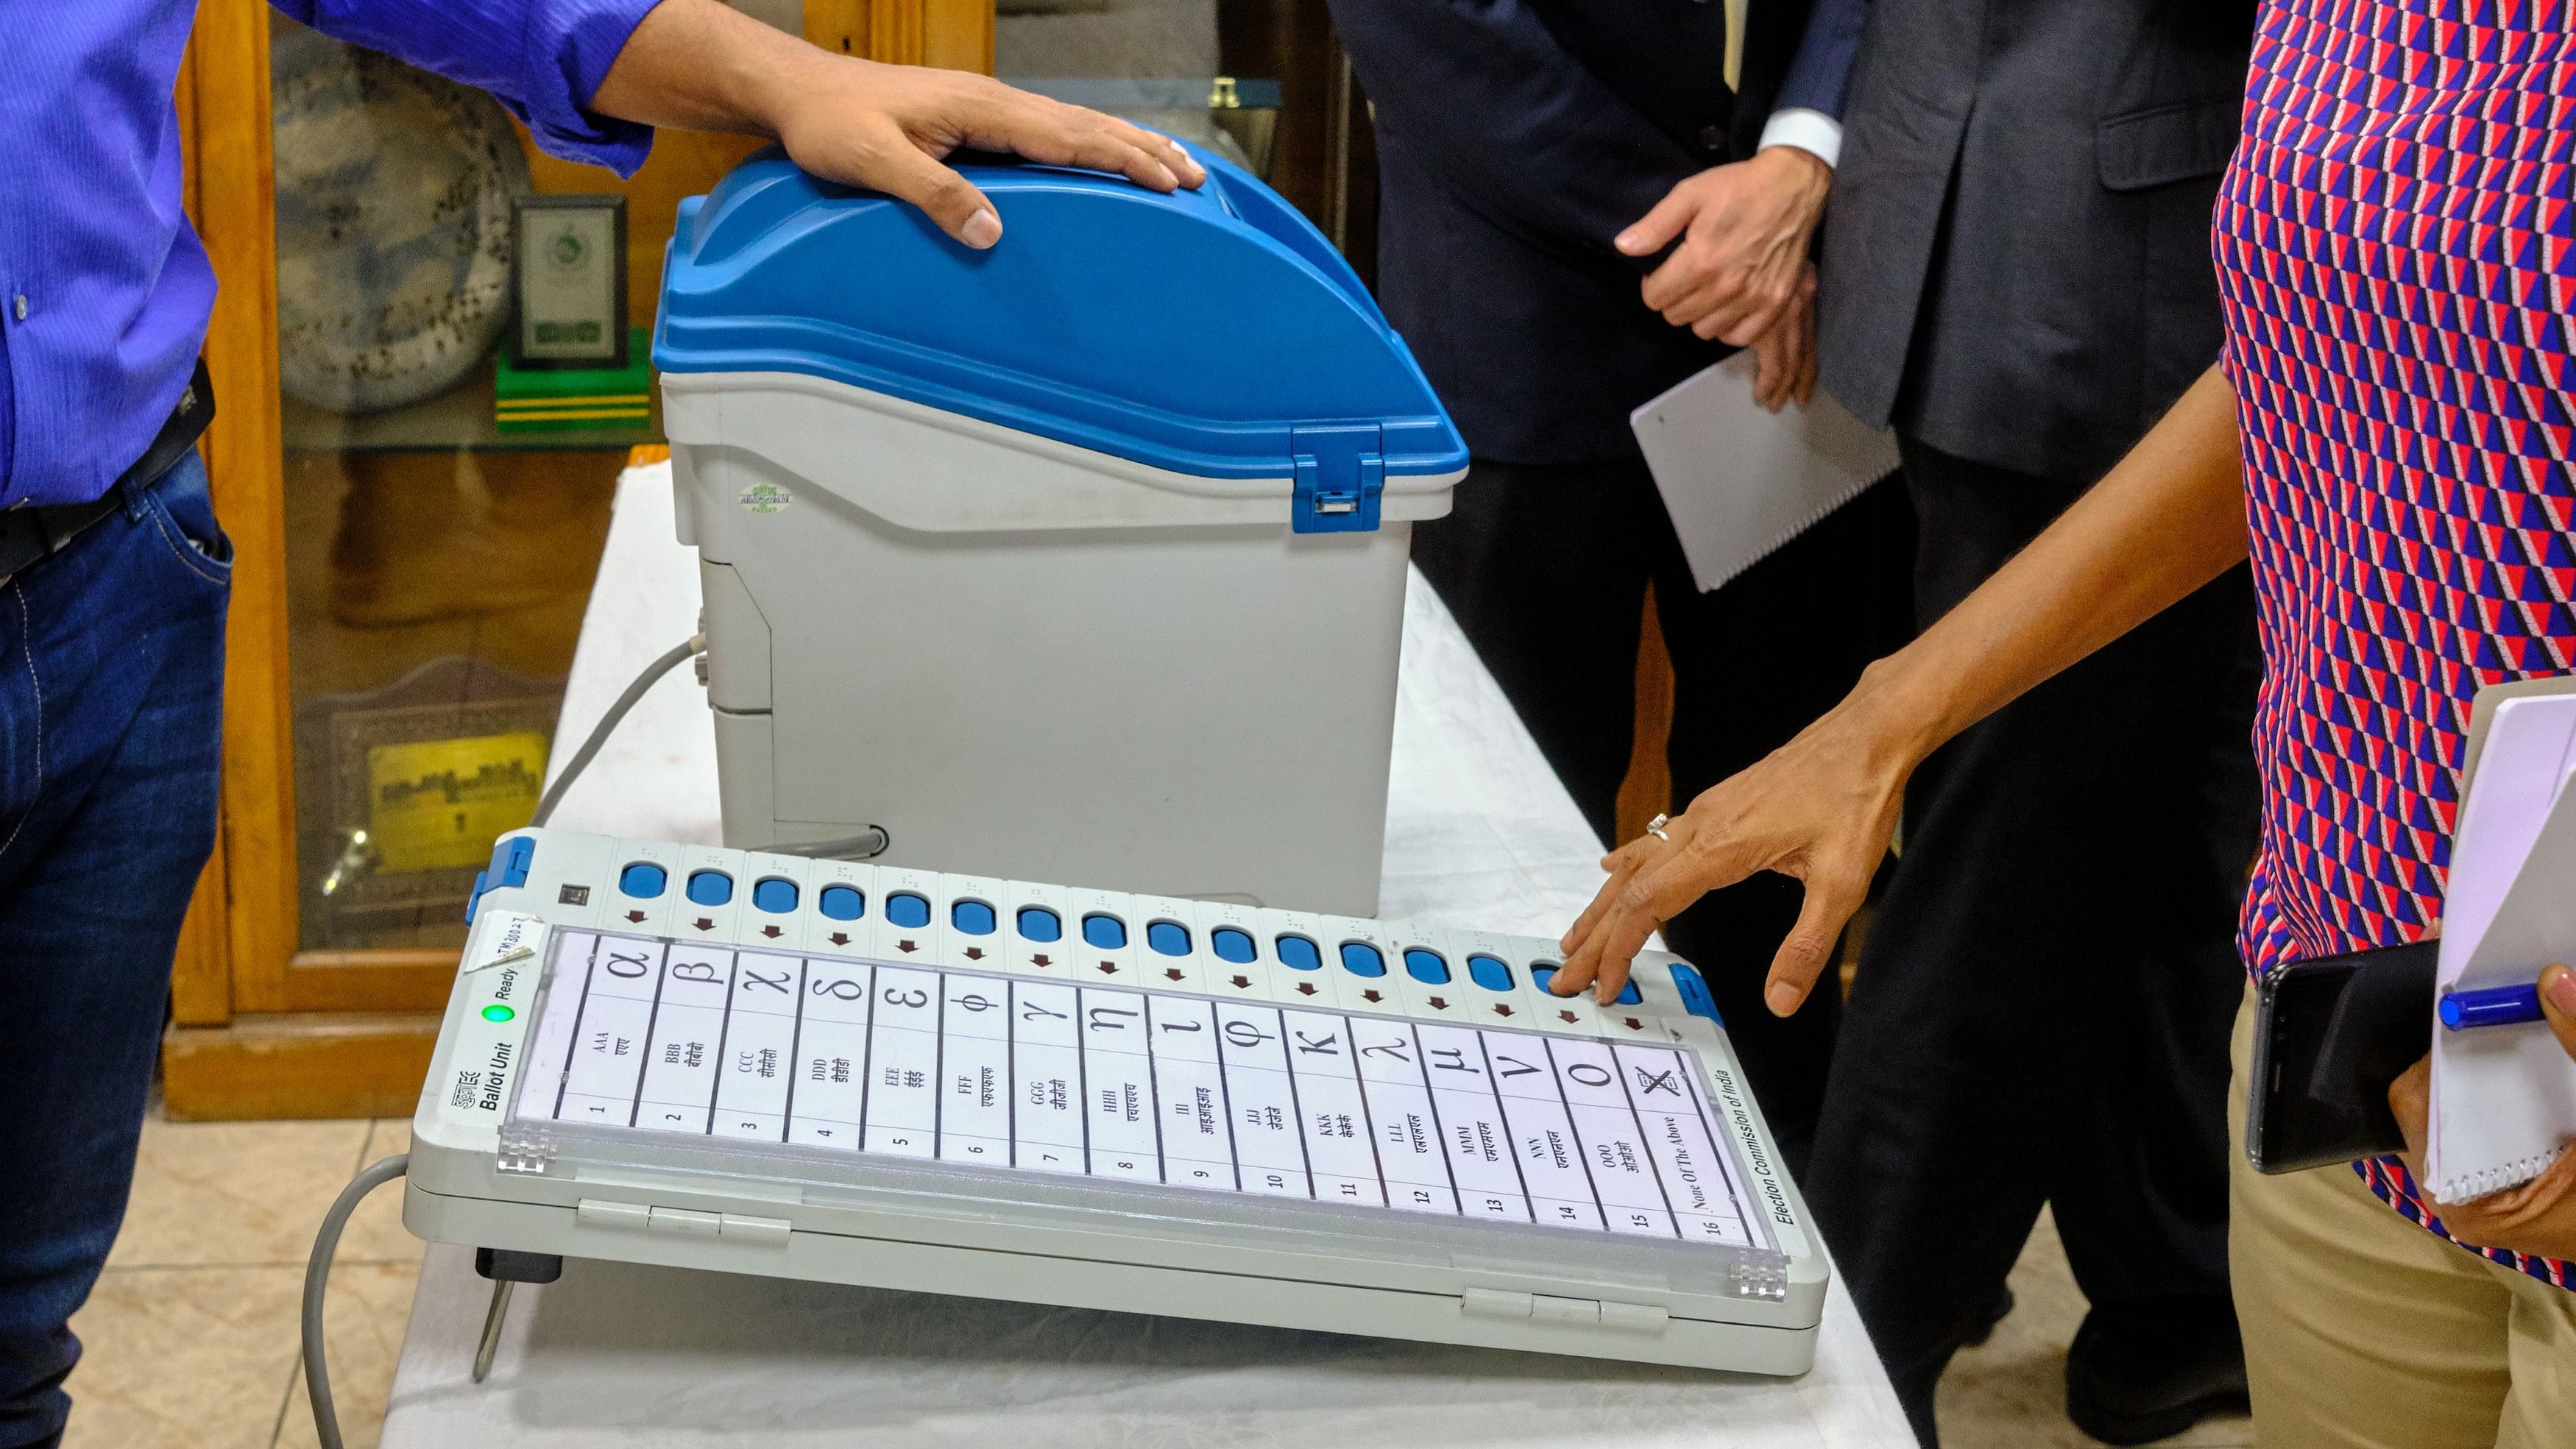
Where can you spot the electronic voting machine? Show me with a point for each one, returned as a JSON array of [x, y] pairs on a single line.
[[804, 1068]]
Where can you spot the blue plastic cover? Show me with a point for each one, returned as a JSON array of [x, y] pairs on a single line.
[[1198, 332]]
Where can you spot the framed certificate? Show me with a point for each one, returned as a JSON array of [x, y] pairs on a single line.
[[571, 282]]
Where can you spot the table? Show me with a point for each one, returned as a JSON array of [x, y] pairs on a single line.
[[1479, 833]]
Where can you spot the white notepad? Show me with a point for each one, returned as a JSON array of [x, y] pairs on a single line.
[[2504, 1098], [1740, 482]]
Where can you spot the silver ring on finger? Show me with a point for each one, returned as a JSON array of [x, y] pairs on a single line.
[[1655, 827]]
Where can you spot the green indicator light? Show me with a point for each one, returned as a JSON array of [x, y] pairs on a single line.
[[498, 1013]]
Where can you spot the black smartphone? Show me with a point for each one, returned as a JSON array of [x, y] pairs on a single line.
[[2329, 1036]]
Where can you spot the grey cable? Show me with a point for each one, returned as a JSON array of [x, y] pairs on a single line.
[[317, 1277], [653, 672], [869, 842]]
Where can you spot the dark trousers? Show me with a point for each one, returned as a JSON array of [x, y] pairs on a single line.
[[2042, 1008], [111, 700], [1546, 570]]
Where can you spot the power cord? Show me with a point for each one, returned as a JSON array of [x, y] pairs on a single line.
[[869, 842], [317, 1277], [693, 646]]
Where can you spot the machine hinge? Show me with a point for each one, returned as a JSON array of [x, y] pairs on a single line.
[[1341, 470], [1766, 1281], [1555, 1312], [524, 1148]]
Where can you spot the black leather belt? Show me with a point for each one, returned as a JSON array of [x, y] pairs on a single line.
[[31, 535]]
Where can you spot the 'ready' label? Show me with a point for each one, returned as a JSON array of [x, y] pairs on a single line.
[[497, 981]]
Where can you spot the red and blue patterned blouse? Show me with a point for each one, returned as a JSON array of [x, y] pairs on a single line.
[[2396, 248]]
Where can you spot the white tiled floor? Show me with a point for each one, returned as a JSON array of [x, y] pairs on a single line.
[[191, 1336]]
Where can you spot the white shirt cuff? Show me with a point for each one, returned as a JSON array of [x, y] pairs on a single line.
[[1813, 132]]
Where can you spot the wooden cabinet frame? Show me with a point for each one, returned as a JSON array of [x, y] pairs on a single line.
[[259, 1028]]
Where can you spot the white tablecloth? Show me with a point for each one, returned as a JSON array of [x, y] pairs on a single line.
[[1479, 833]]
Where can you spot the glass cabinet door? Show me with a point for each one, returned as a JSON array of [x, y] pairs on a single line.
[[445, 495]]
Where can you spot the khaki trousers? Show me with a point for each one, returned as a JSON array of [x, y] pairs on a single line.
[[2362, 1329]]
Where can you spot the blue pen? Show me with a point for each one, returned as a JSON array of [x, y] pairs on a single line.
[[2491, 1006]]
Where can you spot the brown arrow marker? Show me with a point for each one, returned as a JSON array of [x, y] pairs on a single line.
[[1501, 1010], [974, 953], [1173, 972], [840, 938], [703, 924], [1635, 1025], [1566, 1016], [1108, 968], [1040, 960], [636, 916], [1241, 983], [906, 947], [1305, 988], [770, 931], [1371, 996], [1439, 1004]]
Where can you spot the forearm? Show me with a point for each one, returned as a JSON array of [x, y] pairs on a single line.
[[1481, 94], [2169, 518], [699, 65]]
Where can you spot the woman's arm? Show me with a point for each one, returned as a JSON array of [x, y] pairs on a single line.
[[702, 66], [2168, 519]]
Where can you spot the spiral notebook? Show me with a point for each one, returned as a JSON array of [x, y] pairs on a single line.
[[2504, 1098], [1740, 482]]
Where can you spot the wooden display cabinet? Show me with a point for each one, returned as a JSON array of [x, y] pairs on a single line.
[[276, 1012]]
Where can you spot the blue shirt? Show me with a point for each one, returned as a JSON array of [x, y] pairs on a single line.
[[104, 289]]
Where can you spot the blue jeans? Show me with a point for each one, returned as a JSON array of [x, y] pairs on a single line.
[[111, 705]]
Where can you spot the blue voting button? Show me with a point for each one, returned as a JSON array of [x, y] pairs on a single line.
[[2490, 1006], [774, 895], [842, 903], [1299, 954], [972, 917], [1425, 966], [1544, 972], [1104, 930], [1490, 972], [1037, 923], [1232, 945], [644, 880], [710, 887], [1168, 938], [907, 910], [1362, 959]]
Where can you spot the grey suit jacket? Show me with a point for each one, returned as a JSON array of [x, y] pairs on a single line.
[[2016, 263]]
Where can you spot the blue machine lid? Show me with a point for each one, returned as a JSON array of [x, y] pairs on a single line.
[[1210, 332]]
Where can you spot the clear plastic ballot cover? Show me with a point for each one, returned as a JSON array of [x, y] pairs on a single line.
[[987, 1096]]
